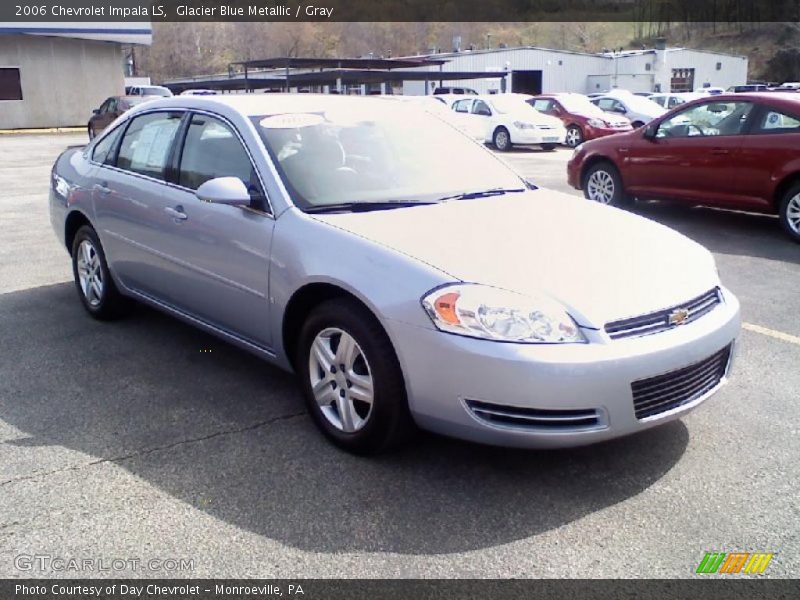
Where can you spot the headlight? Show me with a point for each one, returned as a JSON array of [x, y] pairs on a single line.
[[521, 125], [597, 123], [493, 314]]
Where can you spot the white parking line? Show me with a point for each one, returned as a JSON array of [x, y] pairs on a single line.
[[778, 335]]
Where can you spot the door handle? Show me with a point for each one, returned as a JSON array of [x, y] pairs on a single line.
[[176, 213], [720, 151], [102, 188]]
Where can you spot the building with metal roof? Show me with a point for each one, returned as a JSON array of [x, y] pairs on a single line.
[[54, 74]]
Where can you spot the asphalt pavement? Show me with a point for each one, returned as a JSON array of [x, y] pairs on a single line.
[[146, 439]]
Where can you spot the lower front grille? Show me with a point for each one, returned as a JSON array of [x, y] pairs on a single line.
[[536, 418], [662, 393]]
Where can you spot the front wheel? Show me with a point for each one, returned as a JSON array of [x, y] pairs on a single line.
[[352, 381], [96, 289], [502, 139], [789, 212], [602, 183], [574, 136], [637, 124]]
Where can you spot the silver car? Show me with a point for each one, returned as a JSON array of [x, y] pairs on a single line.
[[403, 272]]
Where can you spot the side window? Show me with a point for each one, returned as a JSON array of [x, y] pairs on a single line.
[[708, 119], [212, 150], [102, 150], [104, 106], [605, 103], [773, 121], [481, 108], [462, 106], [147, 142], [542, 105], [112, 105]]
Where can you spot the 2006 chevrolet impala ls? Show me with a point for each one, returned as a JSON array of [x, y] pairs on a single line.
[[405, 273]]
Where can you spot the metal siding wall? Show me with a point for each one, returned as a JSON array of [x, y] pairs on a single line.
[[62, 79]]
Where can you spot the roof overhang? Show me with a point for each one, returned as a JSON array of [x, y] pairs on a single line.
[[122, 33]]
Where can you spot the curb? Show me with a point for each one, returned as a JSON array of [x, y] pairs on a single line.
[[42, 131]]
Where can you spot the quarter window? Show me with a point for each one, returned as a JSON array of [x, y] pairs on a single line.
[[773, 121], [213, 150], [709, 119], [462, 106], [147, 142]]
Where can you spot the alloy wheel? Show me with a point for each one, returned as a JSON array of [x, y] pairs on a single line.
[[341, 380], [600, 187], [90, 273], [573, 137], [501, 140]]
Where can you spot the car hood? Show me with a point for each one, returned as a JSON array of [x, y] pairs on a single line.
[[602, 263]]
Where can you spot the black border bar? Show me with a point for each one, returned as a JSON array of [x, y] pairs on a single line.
[[660, 11], [713, 587]]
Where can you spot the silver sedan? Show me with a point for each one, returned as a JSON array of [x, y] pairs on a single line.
[[405, 274]]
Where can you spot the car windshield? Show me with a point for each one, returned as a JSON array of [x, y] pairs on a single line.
[[580, 105], [352, 154], [505, 103]]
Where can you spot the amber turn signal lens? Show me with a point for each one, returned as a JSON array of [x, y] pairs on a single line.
[[445, 307]]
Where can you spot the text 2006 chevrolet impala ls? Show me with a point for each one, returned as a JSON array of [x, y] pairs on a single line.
[[406, 274]]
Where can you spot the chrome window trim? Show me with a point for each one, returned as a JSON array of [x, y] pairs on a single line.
[[270, 213]]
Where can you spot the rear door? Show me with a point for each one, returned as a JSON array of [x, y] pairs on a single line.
[[769, 154], [693, 155], [130, 197]]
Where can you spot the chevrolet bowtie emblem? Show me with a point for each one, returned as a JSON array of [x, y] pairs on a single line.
[[678, 317]]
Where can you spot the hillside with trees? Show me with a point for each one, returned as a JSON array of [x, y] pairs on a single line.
[[187, 49]]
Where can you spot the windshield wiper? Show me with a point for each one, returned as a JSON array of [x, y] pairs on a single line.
[[363, 206], [481, 194]]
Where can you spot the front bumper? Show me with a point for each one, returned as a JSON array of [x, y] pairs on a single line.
[[532, 137], [446, 374]]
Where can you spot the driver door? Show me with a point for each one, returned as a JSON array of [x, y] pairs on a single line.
[[692, 156]]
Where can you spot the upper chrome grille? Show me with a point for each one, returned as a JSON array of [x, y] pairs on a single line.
[[658, 321], [536, 418], [659, 394]]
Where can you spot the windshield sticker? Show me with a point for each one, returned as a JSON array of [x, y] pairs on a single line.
[[291, 121]]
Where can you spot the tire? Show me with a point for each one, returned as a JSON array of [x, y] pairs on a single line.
[[92, 134], [574, 136], [637, 124], [602, 183], [339, 408], [548, 147], [789, 212], [96, 288], [501, 139]]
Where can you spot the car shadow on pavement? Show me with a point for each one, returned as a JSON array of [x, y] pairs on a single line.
[[726, 231], [227, 434]]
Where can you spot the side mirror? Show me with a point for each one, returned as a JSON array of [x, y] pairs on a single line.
[[650, 131], [224, 190], [96, 111]]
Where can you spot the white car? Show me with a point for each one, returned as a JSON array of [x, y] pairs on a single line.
[[670, 101], [197, 92], [507, 120], [713, 91], [639, 110]]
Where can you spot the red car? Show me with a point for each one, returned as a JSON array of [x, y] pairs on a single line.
[[739, 151], [583, 120]]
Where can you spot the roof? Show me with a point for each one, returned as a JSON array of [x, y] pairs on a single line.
[[336, 63], [263, 104], [119, 32]]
